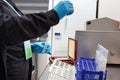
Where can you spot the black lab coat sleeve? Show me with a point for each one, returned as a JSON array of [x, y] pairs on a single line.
[[15, 29]]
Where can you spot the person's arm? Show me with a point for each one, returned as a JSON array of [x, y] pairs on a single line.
[[14, 29], [62, 9]]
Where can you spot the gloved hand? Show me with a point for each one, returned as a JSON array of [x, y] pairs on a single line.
[[38, 47], [64, 8]]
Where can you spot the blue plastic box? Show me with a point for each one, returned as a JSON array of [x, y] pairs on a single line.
[[86, 70]]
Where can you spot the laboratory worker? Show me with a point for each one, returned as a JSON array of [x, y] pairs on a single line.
[[16, 28]]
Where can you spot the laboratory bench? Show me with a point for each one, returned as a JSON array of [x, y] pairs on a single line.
[[113, 71]]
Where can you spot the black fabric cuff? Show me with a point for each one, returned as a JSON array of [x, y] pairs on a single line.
[[53, 17]]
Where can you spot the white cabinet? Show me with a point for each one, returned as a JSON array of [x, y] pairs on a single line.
[[110, 9]]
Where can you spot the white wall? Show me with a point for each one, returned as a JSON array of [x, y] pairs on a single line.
[[83, 10], [110, 8]]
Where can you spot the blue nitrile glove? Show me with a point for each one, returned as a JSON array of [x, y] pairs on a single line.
[[37, 47], [64, 8]]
